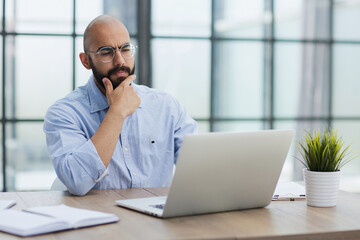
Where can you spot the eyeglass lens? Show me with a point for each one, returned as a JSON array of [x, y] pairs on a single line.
[[106, 54]]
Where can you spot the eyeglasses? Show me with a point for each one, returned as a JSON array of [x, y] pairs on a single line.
[[106, 54]]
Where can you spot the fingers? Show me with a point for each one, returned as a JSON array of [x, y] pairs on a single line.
[[108, 85], [129, 80]]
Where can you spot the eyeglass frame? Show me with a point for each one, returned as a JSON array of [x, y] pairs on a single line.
[[114, 50]]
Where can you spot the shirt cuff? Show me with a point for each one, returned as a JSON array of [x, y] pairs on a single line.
[[88, 159], [102, 175]]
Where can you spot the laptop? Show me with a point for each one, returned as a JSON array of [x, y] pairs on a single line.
[[217, 172]]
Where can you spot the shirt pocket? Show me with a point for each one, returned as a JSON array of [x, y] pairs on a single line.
[[148, 150], [155, 149]]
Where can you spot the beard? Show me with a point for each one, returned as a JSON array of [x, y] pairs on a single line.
[[115, 82]]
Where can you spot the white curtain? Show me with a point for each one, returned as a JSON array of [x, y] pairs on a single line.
[[315, 79]]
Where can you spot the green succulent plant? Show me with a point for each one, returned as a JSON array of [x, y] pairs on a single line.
[[323, 152]]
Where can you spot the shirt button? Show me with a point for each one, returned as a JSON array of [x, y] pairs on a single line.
[[133, 173], [126, 149]]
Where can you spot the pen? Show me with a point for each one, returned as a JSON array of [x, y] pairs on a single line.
[[287, 197]]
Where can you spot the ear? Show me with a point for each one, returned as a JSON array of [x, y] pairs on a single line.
[[85, 60]]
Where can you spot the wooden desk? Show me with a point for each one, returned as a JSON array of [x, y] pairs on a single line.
[[280, 220]]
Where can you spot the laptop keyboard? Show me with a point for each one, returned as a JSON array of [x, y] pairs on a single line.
[[160, 206]]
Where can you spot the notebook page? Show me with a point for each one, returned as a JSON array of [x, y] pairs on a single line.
[[4, 204], [289, 190], [26, 224], [76, 217]]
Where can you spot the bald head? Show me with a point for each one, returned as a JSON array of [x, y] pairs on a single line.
[[100, 26], [106, 32]]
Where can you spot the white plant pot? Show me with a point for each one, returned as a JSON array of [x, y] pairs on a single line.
[[321, 188]]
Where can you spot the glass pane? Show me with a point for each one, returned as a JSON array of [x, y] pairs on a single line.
[[239, 79], [181, 68], [82, 74], [298, 19], [287, 79], [289, 171], [230, 126], [181, 17], [350, 173], [39, 16], [240, 18], [287, 18], [302, 79], [1, 161], [203, 126], [28, 162], [39, 75], [124, 10], [1, 10], [346, 14], [86, 11], [346, 84], [1, 73]]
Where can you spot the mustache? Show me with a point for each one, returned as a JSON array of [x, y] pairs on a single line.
[[116, 69]]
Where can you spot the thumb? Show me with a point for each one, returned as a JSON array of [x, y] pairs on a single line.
[[108, 86]]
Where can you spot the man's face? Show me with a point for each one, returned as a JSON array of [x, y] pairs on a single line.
[[116, 74], [114, 36]]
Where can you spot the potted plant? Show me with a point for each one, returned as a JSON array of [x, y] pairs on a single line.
[[323, 155]]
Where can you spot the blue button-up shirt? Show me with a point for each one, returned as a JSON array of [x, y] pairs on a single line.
[[146, 150]]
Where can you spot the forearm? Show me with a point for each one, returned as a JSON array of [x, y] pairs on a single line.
[[80, 169], [107, 135], [123, 101]]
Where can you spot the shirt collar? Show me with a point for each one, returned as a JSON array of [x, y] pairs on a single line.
[[98, 101]]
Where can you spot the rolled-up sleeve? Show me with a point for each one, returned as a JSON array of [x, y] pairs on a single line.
[[74, 156]]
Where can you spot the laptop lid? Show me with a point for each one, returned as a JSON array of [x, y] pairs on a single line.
[[218, 172]]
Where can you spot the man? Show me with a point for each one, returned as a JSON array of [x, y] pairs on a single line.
[[112, 133]]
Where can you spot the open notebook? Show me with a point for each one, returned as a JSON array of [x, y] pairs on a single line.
[[39, 220], [289, 191]]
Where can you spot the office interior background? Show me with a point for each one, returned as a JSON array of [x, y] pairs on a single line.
[[236, 65]]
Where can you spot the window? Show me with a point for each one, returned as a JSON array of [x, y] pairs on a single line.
[[236, 65], [41, 66]]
